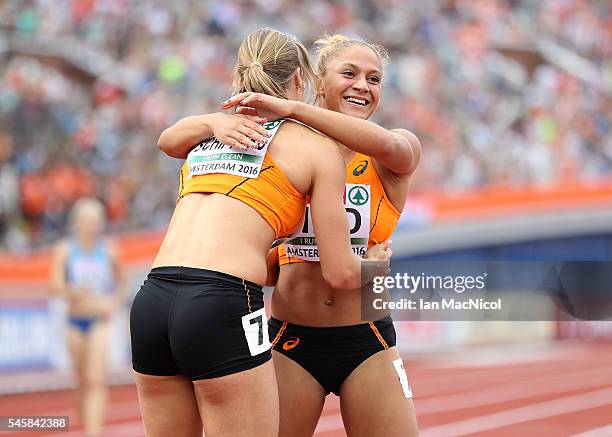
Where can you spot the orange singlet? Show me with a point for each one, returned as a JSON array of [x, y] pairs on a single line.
[[365, 202], [270, 193]]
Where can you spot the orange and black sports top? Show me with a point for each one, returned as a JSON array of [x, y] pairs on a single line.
[[271, 193], [383, 215]]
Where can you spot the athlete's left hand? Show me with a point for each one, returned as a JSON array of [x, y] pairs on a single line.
[[249, 103], [379, 252]]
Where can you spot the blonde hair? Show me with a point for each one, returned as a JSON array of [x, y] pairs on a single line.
[[267, 61], [87, 206], [328, 46]]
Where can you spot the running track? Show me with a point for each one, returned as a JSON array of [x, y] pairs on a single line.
[[557, 389]]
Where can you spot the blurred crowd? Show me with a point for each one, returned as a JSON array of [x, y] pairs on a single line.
[[87, 86]]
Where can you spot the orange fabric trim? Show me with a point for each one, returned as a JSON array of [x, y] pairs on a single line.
[[248, 296], [280, 334], [378, 336]]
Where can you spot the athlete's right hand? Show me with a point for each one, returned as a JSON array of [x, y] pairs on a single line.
[[237, 130], [379, 252]]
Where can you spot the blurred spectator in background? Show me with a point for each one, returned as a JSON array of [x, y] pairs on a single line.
[[505, 92], [88, 273]]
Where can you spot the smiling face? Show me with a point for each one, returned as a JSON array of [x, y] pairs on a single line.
[[352, 82]]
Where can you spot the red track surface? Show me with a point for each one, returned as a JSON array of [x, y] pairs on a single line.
[[562, 389]]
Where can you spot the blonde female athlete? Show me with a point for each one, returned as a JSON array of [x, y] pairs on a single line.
[[321, 344], [88, 273], [201, 351]]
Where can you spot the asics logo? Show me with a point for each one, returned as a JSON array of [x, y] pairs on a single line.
[[291, 343], [361, 168]]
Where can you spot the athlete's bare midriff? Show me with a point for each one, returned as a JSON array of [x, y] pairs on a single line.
[[302, 297], [216, 232]]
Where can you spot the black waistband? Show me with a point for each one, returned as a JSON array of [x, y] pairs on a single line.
[[180, 273], [336, 332]]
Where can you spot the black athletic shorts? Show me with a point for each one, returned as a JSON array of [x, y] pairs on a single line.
[[196, 322], [331, 354]]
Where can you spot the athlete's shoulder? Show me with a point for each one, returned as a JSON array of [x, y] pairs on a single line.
[[294, 127], [321, 139], [306, 141]]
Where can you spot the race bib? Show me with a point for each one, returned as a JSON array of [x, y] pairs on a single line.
[[255, 327], [212, 156], [357, 201], [403, 377]]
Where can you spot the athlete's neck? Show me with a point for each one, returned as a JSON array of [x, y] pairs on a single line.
[[86, 242]]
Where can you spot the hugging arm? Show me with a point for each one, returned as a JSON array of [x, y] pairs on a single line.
[[398, 150], [235, 130]]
